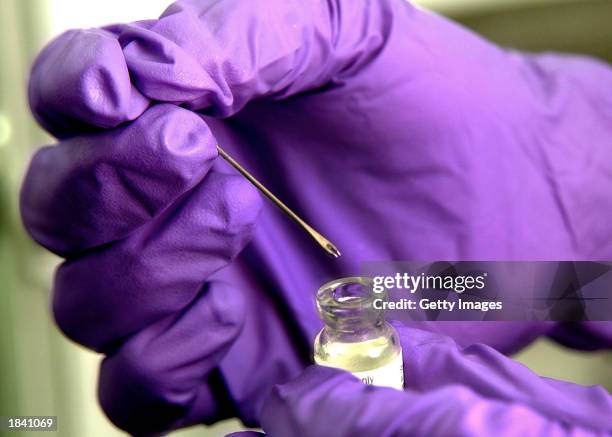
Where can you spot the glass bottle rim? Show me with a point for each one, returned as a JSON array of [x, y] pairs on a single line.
[[327, 297]]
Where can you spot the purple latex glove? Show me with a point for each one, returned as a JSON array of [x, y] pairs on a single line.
[[397, 133], [475, 391], [151, 220]]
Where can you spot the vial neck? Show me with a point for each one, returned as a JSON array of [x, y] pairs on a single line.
[[354, 330], [347, 308]]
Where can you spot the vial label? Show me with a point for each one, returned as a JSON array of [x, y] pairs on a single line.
[[389, 375]]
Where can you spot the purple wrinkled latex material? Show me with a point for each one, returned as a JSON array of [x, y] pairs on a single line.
[[397, 133]]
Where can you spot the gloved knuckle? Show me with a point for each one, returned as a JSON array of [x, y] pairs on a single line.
[[228, 307], [242, 204], [181, 134]]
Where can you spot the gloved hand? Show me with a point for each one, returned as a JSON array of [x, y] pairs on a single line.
[[397, 133], [474, 391], [144, 219]]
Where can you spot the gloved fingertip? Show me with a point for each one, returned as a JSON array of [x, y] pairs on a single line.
[[80, 82]]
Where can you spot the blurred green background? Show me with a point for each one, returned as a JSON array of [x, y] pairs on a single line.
[[42, 373]]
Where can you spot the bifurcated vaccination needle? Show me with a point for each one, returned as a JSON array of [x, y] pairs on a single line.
[[320, 239]]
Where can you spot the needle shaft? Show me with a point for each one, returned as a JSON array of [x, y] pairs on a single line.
[[320, 239]]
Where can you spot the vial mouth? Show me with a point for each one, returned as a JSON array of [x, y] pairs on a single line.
[[347, 291], [348, 298]]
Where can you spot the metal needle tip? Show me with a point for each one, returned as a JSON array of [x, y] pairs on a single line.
[[332, 250], [320, 239]]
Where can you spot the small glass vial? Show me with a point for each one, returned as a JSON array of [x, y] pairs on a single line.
[[356, 336]]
